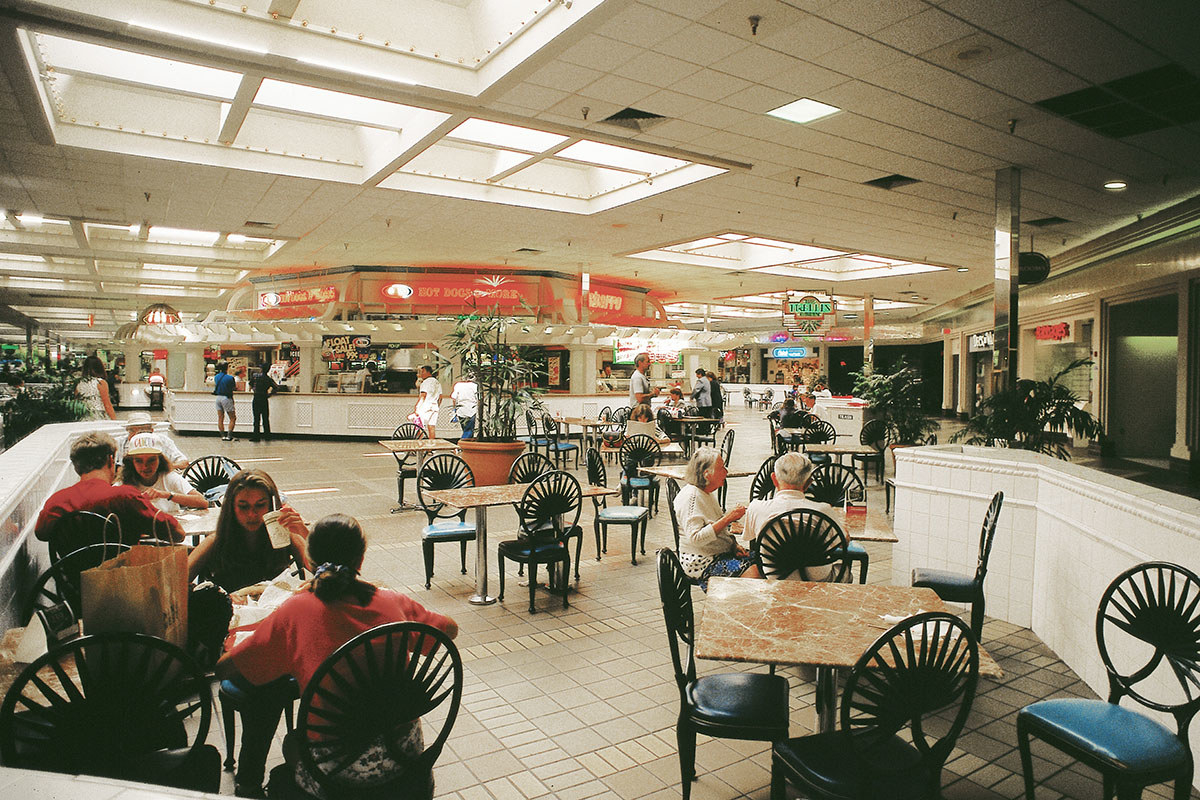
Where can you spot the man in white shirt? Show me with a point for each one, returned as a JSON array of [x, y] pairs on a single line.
[[639, 385], [821, 392], [429, 398], [793, 472], [465, 395]]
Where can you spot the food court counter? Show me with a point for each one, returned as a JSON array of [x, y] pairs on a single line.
[[372, 416], [1064, 533]]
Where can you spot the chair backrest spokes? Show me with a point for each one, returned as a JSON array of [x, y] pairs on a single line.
[[874, 434], [837, 485], [675, 591], [60, 583], [97, 705], [806, 542], [528, 467], [553, 500], [209, 472], [605, 414], [672, 493], [987, 535], [366, 694], [762, 487], [820, 432], [80, 528], [442, 471], [597, 475], [1158, 604], [408, 430], [923, 667], [727, 447], [639, 450]]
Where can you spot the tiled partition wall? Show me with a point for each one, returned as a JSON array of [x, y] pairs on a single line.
[[30, 471], [1064, 534]]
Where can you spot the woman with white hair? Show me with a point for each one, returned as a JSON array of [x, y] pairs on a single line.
[[707, 548]]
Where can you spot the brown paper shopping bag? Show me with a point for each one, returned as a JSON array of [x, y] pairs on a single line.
[[144, 590]]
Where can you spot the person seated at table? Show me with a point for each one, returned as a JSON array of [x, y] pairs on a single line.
[[239, 553], [674, 408], [793, 473], [300, 634], [146, 468], [821, 392], [139, 422], [787, 416], [707, 548], [93, 457], [641, 421]]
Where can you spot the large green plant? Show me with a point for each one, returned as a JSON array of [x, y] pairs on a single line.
[[896, 399], [1033, 415], [26, 412], [503, 372]]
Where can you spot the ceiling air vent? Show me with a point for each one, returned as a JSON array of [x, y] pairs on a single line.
[[528, 251], [634, 119], [250, 223], [1045, 222], [891, 182], [1157, 98]]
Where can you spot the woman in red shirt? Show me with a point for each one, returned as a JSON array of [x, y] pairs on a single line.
[[303, 632]]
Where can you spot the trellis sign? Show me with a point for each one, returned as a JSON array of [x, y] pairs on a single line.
[[808, 314]]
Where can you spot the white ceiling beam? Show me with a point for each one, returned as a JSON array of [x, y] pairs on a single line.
[[235, 112], [415, 149], [80, 234], [529, 162], [285, 9]]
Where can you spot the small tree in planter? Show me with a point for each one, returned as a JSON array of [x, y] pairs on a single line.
[[896, 399], [1033, 415], [25, 412], [505, 380]]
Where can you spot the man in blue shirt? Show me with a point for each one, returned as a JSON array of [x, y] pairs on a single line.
[[223, 386]]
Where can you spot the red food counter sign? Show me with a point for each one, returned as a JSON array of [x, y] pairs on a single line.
[[1052, 333], [297, 297]]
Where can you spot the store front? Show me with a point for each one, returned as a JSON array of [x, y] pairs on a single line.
[[980, 348], [1143, 358]]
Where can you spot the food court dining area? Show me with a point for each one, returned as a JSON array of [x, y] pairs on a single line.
[[577, 696]]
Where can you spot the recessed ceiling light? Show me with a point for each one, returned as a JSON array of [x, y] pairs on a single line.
[[803, 110], [851, 316], [1115, 186], [963, 269]]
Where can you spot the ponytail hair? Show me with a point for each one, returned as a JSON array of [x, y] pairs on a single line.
[[337, 544]]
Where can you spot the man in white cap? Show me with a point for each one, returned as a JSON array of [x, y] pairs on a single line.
[[140, 422]]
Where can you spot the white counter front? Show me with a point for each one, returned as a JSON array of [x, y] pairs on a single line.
[[845, 415], [1064, 533]]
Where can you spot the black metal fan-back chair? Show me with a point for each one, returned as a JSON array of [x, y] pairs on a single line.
[[636, 517], [115, 705], [557, 444], [446, 524], [60, 582], [762, 487], [209, 475], [80, 528], [726, 455], [548, 515], [738, 705], [905, 703], [406, 463], [873, 434], [805, 544], [1148, 633], [840, 486], [638, 451], [359, 709]]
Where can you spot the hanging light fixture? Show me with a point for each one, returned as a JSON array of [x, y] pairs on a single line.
[[159, 314], [126, 331]]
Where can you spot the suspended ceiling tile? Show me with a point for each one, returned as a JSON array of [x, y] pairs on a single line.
[[600, 52], [710, 85], [922, 31], [664, 69], [619, 91], [700, 45], [564, 76], [643, 26], [868, 17]]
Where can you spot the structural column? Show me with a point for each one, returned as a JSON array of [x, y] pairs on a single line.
[[948, 399], [868, 334], [1008, 231], [193, 367], [585, 363], [965, 378]]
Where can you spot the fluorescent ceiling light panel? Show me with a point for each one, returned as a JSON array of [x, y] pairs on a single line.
[[72, 56], [803, 110], [158, 233], [499, 134], [608, 155]]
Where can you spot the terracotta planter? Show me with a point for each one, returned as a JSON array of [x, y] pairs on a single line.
[[490, 461]]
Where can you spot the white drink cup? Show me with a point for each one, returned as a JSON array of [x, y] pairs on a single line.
[[280, 536]]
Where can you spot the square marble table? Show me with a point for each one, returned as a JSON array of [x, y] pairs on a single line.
[[422, 447], [481, 498], [826, 625]]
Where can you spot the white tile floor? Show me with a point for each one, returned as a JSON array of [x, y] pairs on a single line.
[[581, 702]]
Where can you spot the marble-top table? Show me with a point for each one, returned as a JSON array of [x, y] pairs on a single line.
[[203, 521], [668, 449], [589, 426], [481, 498], [827, 625], [677, 471], [422, 447]]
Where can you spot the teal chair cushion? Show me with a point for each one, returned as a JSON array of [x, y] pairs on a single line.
[[623, 514], [1125, 739], [449, 530], [953, 586]]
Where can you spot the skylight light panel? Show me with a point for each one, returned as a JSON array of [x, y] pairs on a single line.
[[803, 111], [499, 134], [879, 259], [699, 244], [92, 59], [607, 155], [327, 103], [733, 237], [172, 267], [158, 233]]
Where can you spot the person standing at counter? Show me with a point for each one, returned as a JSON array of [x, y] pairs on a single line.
[[366, 377], [821, 392], [718, 396], [428, 401], [702, 394], [224, 385], [639, 385], [264, 387]]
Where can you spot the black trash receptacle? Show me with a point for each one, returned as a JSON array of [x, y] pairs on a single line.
[[156, 397]]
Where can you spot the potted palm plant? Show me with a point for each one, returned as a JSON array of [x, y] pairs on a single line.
[[505, 378], [1032, 415], [896, 399]]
